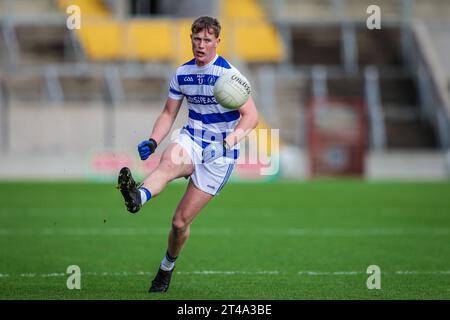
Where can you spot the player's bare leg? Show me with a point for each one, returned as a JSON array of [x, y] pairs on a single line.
[[175, 163], [193, 201]]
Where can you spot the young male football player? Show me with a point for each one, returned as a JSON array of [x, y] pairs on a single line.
[[206, 149]]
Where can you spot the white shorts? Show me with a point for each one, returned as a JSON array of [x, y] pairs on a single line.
[[208, 177]]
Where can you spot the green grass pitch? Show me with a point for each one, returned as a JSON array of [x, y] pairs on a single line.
[[281, 240]]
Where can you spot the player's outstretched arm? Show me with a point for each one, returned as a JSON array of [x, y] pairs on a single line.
[[161, 128], [248, 122], [164, 123]]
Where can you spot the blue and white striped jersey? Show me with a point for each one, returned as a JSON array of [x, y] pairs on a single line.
[[208, 120]]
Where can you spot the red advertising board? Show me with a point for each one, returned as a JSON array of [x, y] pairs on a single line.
[[337, 135]]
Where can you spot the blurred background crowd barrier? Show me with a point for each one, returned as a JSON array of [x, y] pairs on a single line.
[[348, 100]]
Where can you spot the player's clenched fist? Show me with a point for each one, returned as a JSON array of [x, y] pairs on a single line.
[[146, 148]]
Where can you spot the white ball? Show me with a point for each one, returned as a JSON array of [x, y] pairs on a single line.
[[232, 90]]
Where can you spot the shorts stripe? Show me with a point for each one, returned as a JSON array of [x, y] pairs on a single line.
[[227, 176]]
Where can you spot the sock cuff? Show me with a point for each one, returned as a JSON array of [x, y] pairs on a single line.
[[147, 192], [169, 257]]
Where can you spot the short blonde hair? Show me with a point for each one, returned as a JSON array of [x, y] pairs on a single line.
[[207, 23]]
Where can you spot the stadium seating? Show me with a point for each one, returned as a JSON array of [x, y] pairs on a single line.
[[105, 38], [312, 30], [317, 39], [327, 11], [26, 88], [42, 44]]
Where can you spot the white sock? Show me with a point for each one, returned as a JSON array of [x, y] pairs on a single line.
[[143, 196], [167, 265]]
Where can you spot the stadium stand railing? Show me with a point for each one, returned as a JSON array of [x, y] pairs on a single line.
[[433, 78], [61, 66], [333, 36]]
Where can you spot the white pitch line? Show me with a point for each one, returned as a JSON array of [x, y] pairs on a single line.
[[335, 273], [212, 272], [219, 272], [139, 273], [351, 273], [292, 232], [422, 272]]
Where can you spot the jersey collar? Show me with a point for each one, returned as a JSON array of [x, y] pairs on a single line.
[[208, 64]]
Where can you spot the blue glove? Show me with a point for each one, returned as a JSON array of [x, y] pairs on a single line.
[[214, 151], [146, 148]]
